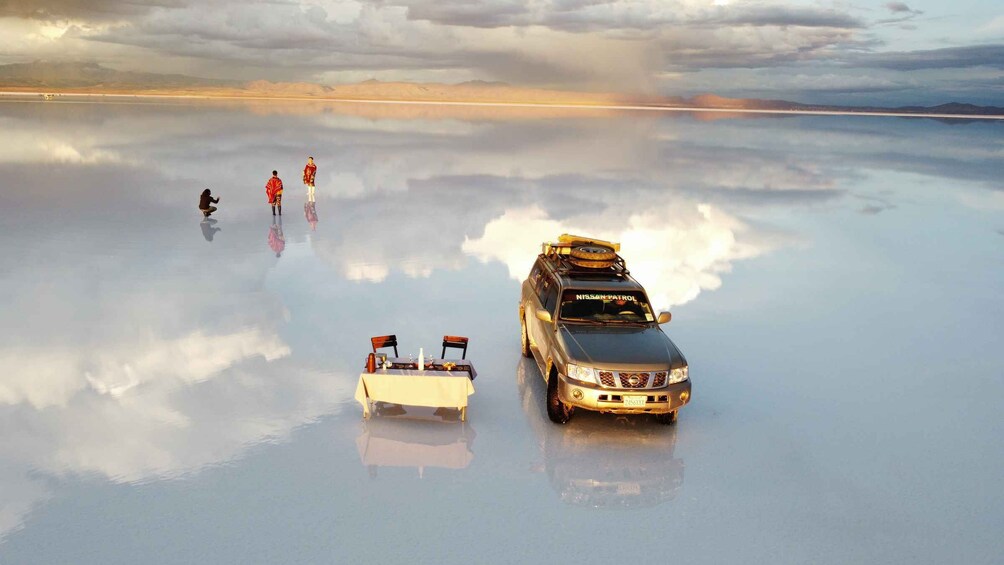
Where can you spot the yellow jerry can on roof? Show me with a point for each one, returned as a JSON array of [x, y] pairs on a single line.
[[566, 242]]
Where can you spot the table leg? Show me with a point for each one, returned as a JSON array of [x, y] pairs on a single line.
[[463, 413]]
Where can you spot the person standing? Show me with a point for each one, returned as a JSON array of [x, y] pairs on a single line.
[[273, 191], [309, 172], [206, 202]]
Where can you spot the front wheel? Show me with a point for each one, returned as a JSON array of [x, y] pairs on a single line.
[[524, 338], [557, 411], [667, 419]]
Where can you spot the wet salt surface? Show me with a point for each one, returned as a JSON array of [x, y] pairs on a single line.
[[175, 392]]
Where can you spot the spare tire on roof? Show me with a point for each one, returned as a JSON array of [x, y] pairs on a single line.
[[593, 252], [585, 264], [592, 256]]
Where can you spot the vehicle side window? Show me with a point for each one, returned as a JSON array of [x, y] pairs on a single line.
[[550, 295], [546, 287], [535, 274]]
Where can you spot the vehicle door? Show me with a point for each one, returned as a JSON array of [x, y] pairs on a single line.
[[547, 298]]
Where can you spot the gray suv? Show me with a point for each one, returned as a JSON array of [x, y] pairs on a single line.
[[592, 331]]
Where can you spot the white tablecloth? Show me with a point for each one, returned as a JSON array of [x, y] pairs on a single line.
[[415, 388]]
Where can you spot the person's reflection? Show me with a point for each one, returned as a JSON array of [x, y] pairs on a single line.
[[599, 460], [209, 228], [275, 238], [417, 440], [310, 213]]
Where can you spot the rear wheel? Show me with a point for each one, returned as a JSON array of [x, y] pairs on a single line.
[[557, 411], [524, 338], [666, 419]]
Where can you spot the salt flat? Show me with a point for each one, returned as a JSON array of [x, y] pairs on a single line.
[[176, 391]]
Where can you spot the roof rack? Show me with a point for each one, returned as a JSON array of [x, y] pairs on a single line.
[[564, 266]]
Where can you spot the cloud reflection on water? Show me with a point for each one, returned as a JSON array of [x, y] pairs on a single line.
[[135, 356]]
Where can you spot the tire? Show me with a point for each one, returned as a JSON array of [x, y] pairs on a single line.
[[587, 264], [524, 338], [557, 411], [593, 252], [667, 419]]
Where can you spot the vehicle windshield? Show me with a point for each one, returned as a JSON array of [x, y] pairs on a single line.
[[605, 307]]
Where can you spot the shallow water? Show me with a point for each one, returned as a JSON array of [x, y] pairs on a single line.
[[175, 391]]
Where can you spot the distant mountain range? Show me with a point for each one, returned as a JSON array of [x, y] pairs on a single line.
[[92, 78], [92, 75]]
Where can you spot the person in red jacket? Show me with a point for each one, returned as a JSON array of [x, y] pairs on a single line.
[[309, 172], [273, 191]]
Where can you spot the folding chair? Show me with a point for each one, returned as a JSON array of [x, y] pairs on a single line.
[[456, 342], [381, 341]]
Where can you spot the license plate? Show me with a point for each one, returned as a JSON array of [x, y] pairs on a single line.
[[634, 401], [629, 488]]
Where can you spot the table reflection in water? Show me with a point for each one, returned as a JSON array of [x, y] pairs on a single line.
[[601, 460], [415, 437]]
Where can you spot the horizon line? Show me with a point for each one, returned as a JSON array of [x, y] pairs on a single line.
[[584, 106]]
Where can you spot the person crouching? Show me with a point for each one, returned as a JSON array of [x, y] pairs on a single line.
[[206, 202]]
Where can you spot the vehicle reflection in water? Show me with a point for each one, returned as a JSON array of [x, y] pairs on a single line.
[[599, 460], [415, 437]]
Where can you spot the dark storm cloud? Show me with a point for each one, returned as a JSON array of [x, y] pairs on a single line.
[[468, 13], [581, 15], [897, 7], [694, 50], [86, 9], [947, 58], [902, 13], [789, 16]]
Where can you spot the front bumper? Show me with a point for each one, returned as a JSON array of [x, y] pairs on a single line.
[[594, 397]]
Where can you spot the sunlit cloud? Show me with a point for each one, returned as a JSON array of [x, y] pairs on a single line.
[[675, 252]]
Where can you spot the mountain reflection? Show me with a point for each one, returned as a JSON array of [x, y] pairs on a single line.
[[600, 461]]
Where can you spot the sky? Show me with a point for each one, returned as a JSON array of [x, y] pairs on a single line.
[[914, 52]]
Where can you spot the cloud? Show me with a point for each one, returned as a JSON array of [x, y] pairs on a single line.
[[990, 55], [899, 8], [83, 9], [902, 13], [590, 44], [592, 15], [705, 241], [778, 15]]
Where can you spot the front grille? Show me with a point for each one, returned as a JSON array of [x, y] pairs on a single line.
[[613, 379], [607, 379], [633, 380], [659, 380]]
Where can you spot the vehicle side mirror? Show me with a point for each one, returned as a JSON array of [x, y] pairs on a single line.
[[544, 315], [665, 317]]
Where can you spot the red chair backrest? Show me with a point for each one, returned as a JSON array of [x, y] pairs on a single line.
[[455, 341], [381, 341]]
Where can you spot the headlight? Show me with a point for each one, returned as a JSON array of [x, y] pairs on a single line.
[[580, 373], [678, 375]]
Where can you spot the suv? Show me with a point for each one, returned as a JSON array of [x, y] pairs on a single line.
[[591, 329]]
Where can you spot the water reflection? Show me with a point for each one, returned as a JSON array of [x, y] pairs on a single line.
[[417, 439], [276, 239], [209, 229], [140, 359], [601, 461], [310, 214]]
